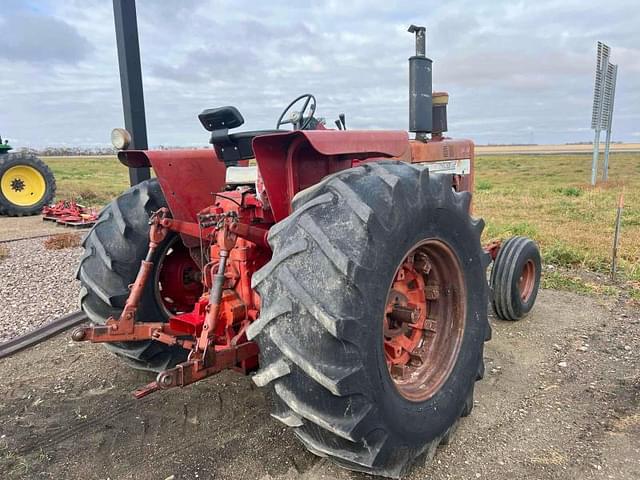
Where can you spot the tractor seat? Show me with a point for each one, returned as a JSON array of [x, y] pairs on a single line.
[[239, 145], [234, 147]]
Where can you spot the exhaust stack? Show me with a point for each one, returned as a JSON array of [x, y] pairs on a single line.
[[420, 84]]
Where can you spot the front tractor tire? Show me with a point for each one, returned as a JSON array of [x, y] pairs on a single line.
[[374, 316], [26, 184], [114, 248], [515, 278]]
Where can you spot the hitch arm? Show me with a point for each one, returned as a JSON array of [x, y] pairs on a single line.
[[192, 371], [126, 328]]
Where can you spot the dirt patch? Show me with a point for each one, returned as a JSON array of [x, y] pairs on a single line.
[[560, 399], [12, 228], [63, 240]]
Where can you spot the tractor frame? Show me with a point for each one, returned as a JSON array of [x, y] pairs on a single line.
[[235, 226]]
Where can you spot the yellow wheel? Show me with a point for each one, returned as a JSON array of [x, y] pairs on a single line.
[[26, 184], [23, 185]]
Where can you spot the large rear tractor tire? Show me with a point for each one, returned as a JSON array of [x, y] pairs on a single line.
[[26, 184], [374, 316], [114, 248]]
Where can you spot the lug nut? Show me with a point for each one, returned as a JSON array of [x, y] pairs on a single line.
[[402, 314]]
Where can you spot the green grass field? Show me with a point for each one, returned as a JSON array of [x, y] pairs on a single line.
[[549, 199], [546, 197], [91, 181]]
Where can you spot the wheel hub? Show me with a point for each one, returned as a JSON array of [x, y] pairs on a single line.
[[179, 279], [424, 320], [17, 185], [527, 280]]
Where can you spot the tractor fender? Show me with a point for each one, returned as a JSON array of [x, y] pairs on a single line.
[[187, 178], [291, 162]]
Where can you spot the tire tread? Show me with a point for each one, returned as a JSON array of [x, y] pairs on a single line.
[[29, 159], [313, 393]]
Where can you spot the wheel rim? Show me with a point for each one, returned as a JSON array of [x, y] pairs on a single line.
[[23, 185], [178, 285], [527, 280], [424, 320]]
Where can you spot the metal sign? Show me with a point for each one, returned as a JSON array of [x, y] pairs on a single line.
[[607, 97], [602, 112], [598, 92]]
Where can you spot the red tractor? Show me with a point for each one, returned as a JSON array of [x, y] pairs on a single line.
[[344, 271]]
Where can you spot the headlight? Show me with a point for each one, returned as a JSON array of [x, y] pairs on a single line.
[[120, 138]]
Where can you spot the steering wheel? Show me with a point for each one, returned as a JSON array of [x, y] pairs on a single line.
[[297, 118]]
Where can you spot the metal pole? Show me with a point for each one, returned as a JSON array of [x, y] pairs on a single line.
[[605, 168], [605, 173], [616, 237], [124, 12], [596, 152]]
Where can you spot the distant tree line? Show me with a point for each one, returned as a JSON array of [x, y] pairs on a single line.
[[69, 151], [65, 151]]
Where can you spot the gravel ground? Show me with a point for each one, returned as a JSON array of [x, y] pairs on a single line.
[[36, 286], [560, 400]]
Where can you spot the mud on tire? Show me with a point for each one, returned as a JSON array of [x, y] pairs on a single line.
[[323, 300], [114, 248]]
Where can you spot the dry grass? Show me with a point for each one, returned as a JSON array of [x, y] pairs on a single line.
[[4, 252], [552, 149], [63, 240], [546, 198]]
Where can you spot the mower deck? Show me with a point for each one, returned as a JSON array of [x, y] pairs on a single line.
[[70, 214]]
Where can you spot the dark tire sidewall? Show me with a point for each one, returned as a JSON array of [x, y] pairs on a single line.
[[528, 252], [322, 354], [406, 419]]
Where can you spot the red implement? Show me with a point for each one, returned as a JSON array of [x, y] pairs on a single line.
[[70, 213]]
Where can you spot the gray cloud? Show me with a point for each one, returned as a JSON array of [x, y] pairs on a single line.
[[27, 37], [516, 71]]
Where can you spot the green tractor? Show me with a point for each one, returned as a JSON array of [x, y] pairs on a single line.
[[26, 182]]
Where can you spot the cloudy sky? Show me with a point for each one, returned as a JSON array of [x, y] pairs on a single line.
[[517, 72]]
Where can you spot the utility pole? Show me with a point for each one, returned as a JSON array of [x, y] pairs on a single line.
[[124, 12]]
